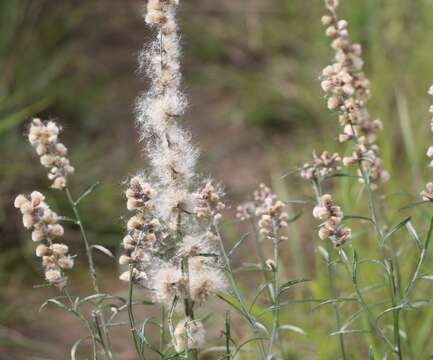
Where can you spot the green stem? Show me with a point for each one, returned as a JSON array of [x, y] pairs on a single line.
[[162, 332], [85, 239], [380, 240], [331, 276], [233, 285], [133, 329], [275, 300], [85, 323], [105, 339]]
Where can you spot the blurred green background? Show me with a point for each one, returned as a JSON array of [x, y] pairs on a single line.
[[251, 72]]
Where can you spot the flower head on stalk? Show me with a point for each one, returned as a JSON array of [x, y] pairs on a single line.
[[270, 212], [332, 217], [323, 165], [347, 90], [43, 136], [38, 217], [170, 235], [427, 194]]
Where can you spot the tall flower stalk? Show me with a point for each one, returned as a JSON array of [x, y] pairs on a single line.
[[169, 244]]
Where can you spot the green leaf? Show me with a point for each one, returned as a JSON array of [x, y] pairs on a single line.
[[56, 302], [286, 286], [255, 311], [414, 234], [293, 328], [103, 250], [75, 346], [395, 229], [87, 192], [238, 243]]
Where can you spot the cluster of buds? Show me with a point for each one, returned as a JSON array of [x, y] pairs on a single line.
[[44, 138], [155, 13], [209, 204], [141, 241], [191, 332], [347, 90], [270, 211], [38, 217], [427, 194], [332, 218], [321, 166]]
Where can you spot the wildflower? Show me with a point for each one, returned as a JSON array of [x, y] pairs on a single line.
[[141, 242], [209, 202], [168, 242], [427, 194], [321, 166], [270, 264], [347, 90], [332, 216], [205, 283], [192, 331], [43, 136], [136, 275], [168, 281], [38, 217]]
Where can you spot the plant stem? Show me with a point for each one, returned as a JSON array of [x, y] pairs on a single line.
[[92, 270], [85, 239], [390, 274], [244, 309], [275, 298], [85, 323], [331, 276], [162, 331], [133, 329]]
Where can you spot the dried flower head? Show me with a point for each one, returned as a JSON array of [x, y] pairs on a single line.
[[270, 212], [332, 216], [205, 283], [347, 90], [38, 217], [191, 331], [43, 136], [168, 281], [321, 166]]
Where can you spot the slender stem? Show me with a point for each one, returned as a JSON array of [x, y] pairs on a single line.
[[133, 329], [188, 303], [262, 258], [85, 323], [105, 339], [333, 293], [331, 276], [85, 239], [162, 332], [228, 336], [380, 239], [244, 309], [275, 296]]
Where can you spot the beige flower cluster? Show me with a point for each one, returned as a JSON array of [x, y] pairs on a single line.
[[44, 138], [208, 202], [141, 242], [192, 331], [427, 194], [347, 90], [270, 212], [43, 222], [170, 242], [323, 165], [332, 218]]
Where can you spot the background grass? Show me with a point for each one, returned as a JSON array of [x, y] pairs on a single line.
[[251, 70]]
